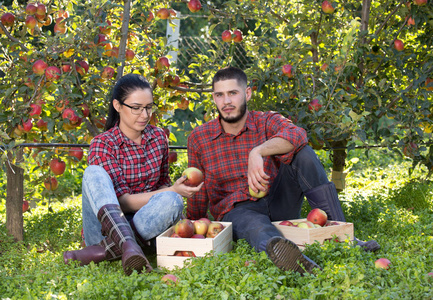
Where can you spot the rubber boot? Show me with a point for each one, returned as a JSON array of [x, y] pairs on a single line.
[[116, 227]]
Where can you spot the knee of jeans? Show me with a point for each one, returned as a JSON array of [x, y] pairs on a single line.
[[94, 170], [172, 201]]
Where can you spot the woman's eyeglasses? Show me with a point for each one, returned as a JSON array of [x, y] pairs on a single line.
[[138, 110]]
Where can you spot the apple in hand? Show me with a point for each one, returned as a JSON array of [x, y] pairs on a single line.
[[259, 194], [184, 228], [317, 216], [382, 263], [193, 176], [200, 227], [214, 229]]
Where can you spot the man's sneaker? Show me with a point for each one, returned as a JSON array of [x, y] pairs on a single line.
[[286, 255], [369, 246]]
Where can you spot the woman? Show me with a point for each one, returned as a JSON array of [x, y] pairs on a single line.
[[127, 193]]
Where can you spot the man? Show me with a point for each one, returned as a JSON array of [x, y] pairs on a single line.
[[261, 151]]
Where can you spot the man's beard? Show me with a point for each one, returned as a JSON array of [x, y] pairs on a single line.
[[237, 118]]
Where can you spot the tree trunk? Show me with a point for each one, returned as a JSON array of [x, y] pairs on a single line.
[[14, 197]]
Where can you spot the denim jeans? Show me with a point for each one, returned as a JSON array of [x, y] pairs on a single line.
[[162, 211], [251, 220]]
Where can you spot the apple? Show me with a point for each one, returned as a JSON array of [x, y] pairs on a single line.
[[39, 67], [52, 73], [382, 263], [7, 19], [286, 223], [66, 68], [331, 223], [85, 110], [60, 29], [420, 2], [172, 157], [41, 9], [31, 22], [327, 7], [76, 152], [163, 13], [226, 36], [188, 253], [101, 38], [129, 55], [70, 114], [194, 5], [25, 206], [48, 21], [41, 124], [410, 21], [214, 229], [31, 8], [430, 275], [184, 228], [305, 224], [57, 166], [287, 70], [36, 110], [178, 253], [27, 125], [162, 63], [198, 236], [398, 45], [193, 176], [410, 149], [82, 67], [317, 216], [174, 235], [427, 82], [115, 52], [51, 183], [200, 227], [206, 220], [169, 279], [324, 67], [107, 73], [249, 262], [150, 16], [314, 105], [259, 194], [238, 36]]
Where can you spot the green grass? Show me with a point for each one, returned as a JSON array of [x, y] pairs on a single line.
[[383, 202]]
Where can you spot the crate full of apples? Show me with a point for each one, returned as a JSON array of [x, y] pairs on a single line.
[[316, 227], [189, 238]]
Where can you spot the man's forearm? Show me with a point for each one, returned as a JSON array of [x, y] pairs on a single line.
[[274, 146]]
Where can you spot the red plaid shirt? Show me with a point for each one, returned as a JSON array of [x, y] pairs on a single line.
[[223, 159], [133, 168]]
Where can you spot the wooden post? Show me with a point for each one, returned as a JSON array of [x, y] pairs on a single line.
[[14, 196]]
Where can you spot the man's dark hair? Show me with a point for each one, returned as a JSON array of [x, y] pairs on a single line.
[[230, 73]]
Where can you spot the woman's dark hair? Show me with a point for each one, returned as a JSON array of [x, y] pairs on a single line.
[[124, 87]]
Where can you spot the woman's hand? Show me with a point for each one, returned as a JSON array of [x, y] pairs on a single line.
[[184, 190]]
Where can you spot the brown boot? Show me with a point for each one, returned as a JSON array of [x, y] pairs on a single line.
[[116, 227]]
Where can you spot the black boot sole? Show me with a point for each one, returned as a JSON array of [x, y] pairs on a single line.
[[137, 263], [287, 256]]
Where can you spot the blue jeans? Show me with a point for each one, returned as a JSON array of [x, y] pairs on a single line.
[[162, 211], [252, 220]]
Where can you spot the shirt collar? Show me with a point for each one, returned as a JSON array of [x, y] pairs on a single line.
[[147, 134], [217, 128]]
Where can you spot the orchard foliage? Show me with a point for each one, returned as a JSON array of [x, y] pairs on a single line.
[[341, 56]]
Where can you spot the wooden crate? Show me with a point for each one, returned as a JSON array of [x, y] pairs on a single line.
[[303, 236], [167, 246]]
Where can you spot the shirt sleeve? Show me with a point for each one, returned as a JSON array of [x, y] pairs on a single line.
[[279, 126], [102, 153], [198, 204]]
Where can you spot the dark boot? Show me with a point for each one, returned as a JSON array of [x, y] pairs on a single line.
[[116, 227], [325, 197], [286, 255]]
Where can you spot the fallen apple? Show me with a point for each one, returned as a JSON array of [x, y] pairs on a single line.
[[249, 262], [317, 216], [169, 279], [382, 263]]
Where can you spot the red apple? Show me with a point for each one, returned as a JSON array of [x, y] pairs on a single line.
[[259, 194], [163, 13], [286, 223], [36, 110], [194, 5], [41, 124], [107, 73], [57, 166], [314, 105], [420, 2], [31, 8], [25, 206], [7, 19], [331, 223], [85, 110], [184, 228], [287, 70], [324, 66], [200, 227], [129, 55], [174, 235], [226, 36], [51, 183], [198, 236], [410, 21], [238, 36], [60, 29], [52, 73], [39, 67], [66, 68], [327, 7], [76, 152], [317, 216], [193, 176], [31, 22], [172, 157], [410, 149], [249, 262], [188, 253], [398, 45], [214, 229], [183, 104], [382, 263], [27, 125], [162, 63], [41, 9], [82, 67], [70, 114], [206, 220], [169, 279]]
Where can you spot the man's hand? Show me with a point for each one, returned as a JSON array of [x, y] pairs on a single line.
[[257, 178]]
